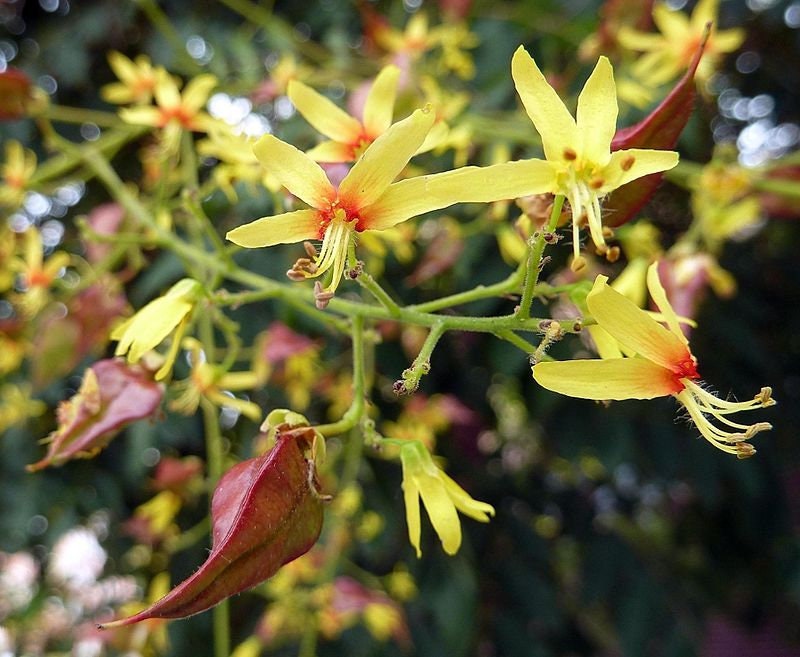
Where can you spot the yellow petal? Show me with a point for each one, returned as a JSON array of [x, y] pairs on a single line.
[[620, 171], [633, 328], [704, 12], [616, 379], [286, 228], [673, 24], [116, 93], [166, 92], [548, 113], [141, 116], [411, 499], [331, 151], [123, 67], [295, 171], [597, 113], [441, 510], [322, 113], [727, 40], [148, 327], [379, 106], [196, 92], [409, 198], [469, 506], [662, 302], [607, 347], [639, 41], [384, 159]]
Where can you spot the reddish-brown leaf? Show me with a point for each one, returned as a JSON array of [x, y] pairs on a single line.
[[113, 394], [265, 512], [659, 130]]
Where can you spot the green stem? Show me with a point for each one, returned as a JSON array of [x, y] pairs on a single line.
[[500, 288], [371, 285], [215, 458], [422, 363], [535, 260], [513, 338], [66, 114], [354, 414], [162, 23]]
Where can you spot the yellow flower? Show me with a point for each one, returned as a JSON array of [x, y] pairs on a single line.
[[662, 365], [175, 110], [670, 53], [583, 168], [16, 405], [348, 136], [155, 321], [15, 173], [367, 199], [138, 80], [215, 384], [37, 275], [441, 496], [237, 163]]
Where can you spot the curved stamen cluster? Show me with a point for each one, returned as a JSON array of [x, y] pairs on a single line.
[[704, 407], [335, 245]]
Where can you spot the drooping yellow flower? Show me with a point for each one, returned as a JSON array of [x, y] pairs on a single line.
[[348, 137], [175, 110], [367, 199], [15, 174], [662, 364], [578, 150], [155, 321], [669, 54], [138, 79], [442, 498]]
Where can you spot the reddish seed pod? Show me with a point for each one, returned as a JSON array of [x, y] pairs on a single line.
[[266, 512]]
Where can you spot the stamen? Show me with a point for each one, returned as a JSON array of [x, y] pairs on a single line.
[[570, 154], [702, 405]]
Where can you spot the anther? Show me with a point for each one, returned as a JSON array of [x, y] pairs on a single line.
[[322, 297], [296, 276], [627, 162], [744, 450], [578, 264], [612, 254], [311, 250], [570, 154], [765, 397], [596, 183]]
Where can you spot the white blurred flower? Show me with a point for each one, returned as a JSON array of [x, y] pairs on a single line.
[[77, 558], [18, 573]]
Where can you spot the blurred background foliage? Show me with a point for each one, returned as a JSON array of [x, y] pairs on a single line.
[[618, 532]]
